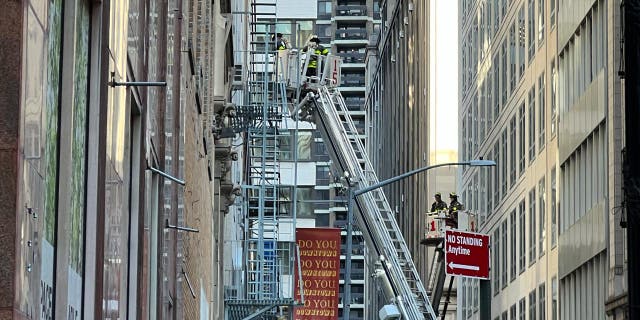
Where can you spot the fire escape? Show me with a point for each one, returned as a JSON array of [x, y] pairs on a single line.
[[264, 285]]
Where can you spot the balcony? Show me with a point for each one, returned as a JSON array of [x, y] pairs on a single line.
[[352, 57], [356, 249], [351, 34], [356, 274], [354, 103], [324, 39], [352, 81], [351, 12]]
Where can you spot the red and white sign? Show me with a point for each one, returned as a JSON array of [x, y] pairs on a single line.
[[466, 254], [320, 266]]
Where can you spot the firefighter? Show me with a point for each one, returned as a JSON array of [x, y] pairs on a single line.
[[280, 42], [454, 207], [438, 205], [314, 49]]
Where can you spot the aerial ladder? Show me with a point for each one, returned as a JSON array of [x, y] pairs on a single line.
[[325, 106]]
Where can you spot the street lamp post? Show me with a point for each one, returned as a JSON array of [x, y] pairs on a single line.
[[352, 196]]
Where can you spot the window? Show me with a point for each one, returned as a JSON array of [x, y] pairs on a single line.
[[376, 10], [475, 125], [541, 22], [512, 58], [512, 312], [532, 305], [304, 31], [464, 138], [504, 89], [541, 112], [503, 156], [554, 223], [582, 58], [584, 175], [323, 175], [513, 247], [483, 181], [496, 88], [489, 100], [305, 207], [496, 17], [532, 226], [473, 194], [521, 140], [543, 221], [532, 123], [512, 151], [521, 235], [583, 287], [554, 298], [324, 9], [541, 300], [503, 8], [504, 256], [285, 141], [463, 302], [521, 41], [476, 295], [554, 96], [469, 297], [496, 261], [552, 14], [490, 188], [323, 30], [522, 305], [482, 116], [504, 316], [531, 25], [496, 174]]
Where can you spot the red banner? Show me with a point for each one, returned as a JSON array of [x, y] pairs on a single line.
[[320, 265]]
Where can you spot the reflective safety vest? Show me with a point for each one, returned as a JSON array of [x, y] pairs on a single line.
[[320, 50]]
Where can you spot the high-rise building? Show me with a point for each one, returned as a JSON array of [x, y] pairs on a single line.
[[540, 94], [345, 27], [399, 120]]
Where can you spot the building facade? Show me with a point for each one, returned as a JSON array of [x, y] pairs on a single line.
[[540, 94], [107, 213], [346, 27], [398, 117]]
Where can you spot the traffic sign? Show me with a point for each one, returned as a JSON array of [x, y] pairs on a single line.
[[466, 254]]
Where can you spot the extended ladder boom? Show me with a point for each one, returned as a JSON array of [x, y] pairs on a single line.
[[375, 217]]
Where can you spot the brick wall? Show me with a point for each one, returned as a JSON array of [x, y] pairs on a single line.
[[198, 206], [10, 66]]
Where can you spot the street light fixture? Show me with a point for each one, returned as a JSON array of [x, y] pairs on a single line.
[[353, 194], [472, 163]]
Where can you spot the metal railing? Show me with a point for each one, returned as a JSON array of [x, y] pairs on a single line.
[[351, 10], [352, 34]]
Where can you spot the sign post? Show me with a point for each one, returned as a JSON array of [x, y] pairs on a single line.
[[466, 254]]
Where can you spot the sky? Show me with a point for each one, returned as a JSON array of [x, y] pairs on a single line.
[[444, 74]]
